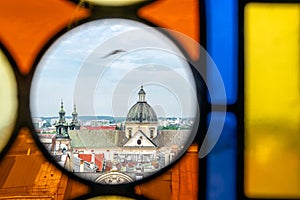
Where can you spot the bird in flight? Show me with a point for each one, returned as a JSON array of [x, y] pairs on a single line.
[[114, 52]]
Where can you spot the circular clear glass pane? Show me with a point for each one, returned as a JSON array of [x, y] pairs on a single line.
[[114, 101], [8, 100]]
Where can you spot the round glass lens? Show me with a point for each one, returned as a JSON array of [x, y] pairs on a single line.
[[114, 101]]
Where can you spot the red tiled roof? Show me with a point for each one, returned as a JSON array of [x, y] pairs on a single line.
[[86, 157], [99, 161]]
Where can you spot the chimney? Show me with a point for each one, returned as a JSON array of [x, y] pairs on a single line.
[[63, 158], [93, 157], [81, 167], [92, 165], [167, 158]]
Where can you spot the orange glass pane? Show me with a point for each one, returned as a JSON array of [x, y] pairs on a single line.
[[26, 174], [26, 26], [272, 100], [177, 15]]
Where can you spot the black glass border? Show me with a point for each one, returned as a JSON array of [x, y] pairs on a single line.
[[127, 190]]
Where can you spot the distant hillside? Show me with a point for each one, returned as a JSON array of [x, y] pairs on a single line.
[[89, 118]]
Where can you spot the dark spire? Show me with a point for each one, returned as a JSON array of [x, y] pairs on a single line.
[[62, 113], [74, 115], [74, 111], [62, 107], [74, 125]]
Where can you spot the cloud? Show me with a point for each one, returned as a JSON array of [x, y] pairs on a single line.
[[76, 65]]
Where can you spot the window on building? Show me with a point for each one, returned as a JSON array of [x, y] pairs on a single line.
[[129, 133], [151, 133]]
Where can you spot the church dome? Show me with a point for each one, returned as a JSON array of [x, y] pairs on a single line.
[[141, 111]]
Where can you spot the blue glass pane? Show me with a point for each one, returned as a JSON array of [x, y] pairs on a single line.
[[221, 24], [221, 162]]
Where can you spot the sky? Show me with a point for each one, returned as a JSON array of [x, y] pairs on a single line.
[[101, 65]]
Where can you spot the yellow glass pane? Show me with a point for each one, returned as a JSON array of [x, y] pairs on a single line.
[[272, 100], [8, 100]]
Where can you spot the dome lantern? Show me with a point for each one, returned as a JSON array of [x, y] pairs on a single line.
[[142, 95], [141, 111]]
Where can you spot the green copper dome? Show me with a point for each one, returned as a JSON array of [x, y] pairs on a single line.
[[141, 111]]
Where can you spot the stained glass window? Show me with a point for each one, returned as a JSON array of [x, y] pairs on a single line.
[[35, 29], [247, 144]]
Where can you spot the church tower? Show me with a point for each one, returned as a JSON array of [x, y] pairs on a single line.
[[74, 125], [61, 144], [62, 125]]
